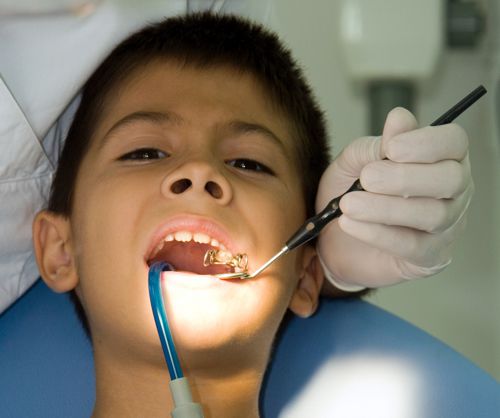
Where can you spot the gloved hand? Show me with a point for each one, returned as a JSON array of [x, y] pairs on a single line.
[[405, 224]]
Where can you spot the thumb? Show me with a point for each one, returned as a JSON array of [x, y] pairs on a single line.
[[398, 121], [347, 167]]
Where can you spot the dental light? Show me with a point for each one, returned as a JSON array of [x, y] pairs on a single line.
[[179, 386]]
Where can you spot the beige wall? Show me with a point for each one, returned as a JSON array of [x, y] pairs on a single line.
[[461, 305]]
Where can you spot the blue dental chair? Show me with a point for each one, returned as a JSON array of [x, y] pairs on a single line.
[[348, 358]]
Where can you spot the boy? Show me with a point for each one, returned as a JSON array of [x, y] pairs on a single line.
[[194, 133]]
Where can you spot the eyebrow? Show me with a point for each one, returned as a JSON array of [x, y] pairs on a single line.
[[236, 127], [239, 127], [156, 118]]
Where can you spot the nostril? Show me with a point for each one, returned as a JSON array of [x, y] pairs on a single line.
[[180, 186], [214, 189]]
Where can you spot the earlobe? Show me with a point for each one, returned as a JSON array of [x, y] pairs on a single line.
[[53, 252], [305, 298]]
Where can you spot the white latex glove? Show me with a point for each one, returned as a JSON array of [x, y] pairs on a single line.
[[405, 223]]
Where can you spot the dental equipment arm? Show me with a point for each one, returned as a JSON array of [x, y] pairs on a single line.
[[179, 386], [314, 225]]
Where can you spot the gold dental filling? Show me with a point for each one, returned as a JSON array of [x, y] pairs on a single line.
[[239, 261]]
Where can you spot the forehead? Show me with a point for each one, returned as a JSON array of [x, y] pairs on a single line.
[[196, 95]]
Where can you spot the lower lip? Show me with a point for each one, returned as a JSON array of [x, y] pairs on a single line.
[[195, 281]]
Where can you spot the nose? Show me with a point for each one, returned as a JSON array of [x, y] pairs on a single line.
[[198, 179]]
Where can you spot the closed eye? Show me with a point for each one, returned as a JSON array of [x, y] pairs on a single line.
[[246, 164], [143, 154]]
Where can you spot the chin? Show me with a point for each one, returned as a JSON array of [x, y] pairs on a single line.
[[207, 314]]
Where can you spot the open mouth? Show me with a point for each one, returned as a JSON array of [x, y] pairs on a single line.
[[186, 251]]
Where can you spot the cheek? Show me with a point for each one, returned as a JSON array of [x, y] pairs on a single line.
[[102, 221], [276, 293], [275, 212], [105, 214], [108, 207]]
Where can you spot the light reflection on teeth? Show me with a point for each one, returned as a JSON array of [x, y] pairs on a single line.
[[183, 236], [201, 238], [159, 247], [186, 236]]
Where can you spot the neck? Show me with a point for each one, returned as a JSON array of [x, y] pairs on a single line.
[[125, 389]]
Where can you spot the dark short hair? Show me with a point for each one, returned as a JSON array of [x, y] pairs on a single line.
[[202, 40]]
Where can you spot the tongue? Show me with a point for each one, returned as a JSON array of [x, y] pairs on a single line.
[[188, 256]]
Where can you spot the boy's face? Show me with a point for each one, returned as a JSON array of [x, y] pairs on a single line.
[[220, 163]]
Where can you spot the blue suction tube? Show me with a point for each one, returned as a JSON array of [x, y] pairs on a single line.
[[184, 407], [161, 321]]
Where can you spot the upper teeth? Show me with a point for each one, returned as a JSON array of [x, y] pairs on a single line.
[[186, 236]]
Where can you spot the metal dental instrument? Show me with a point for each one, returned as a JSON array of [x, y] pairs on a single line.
[[313, 226]]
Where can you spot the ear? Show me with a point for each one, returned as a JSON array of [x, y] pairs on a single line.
[[53, 251], [305, 298]]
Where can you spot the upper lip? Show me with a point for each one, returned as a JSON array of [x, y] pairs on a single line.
[[190, 223]]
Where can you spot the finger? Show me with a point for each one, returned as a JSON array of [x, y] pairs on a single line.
[[346, 168], [428, 145], [441, 180], [398, 121], [356, 155], [421, 248], [421, 213], [341, 254]]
